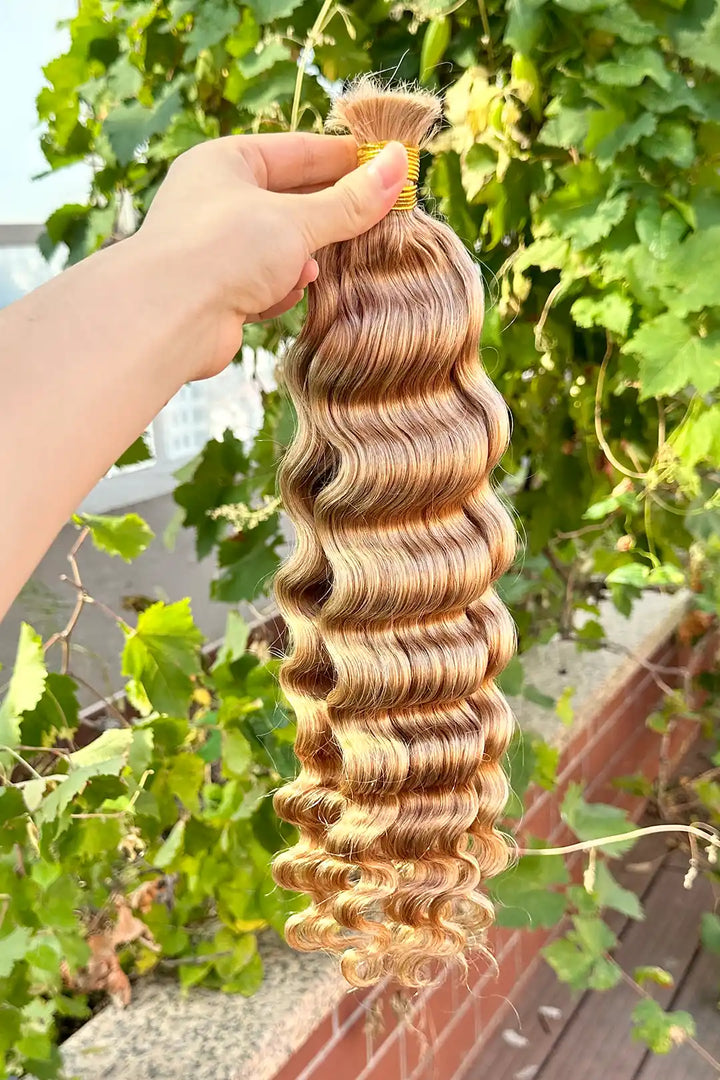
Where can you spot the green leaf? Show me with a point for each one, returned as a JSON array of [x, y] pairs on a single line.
[[564, 706], [261, 60], [594, 934], [26, 685], [137, 452], [547, 758], [604, 975], [698, 439], [212, 22], [185, 777], [599, 510], [659, 232], [237, 753], [582, 211], [632, 573], [610, 894], [661, 1031], [632, 66], [621, 20], [571, 964], [525, 24], [248, 564], [162, 655], [511, 680], [248, 980], [710, 932], [129, 126], [612, 310], [235, 641], [651, 974], [674, 141], [32, 792], [13, 947], [590, 821], [609, 133], [105, 756], [107, 746], [673, 356], [525, 895], [171, 848], [666, 574], [125, 535], [267, 10]]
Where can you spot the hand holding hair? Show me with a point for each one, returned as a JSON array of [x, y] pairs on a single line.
[[87, 360]]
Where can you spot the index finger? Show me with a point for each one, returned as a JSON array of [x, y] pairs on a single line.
[[285, 161]]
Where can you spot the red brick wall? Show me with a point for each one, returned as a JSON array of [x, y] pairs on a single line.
[[437, 1034]]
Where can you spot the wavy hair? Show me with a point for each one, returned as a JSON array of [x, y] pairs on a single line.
[[397, 634]]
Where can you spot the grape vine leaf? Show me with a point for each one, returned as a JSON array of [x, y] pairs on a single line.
[[672, 355], [126, 535], [26, 684], [129, 126], [590, 821], [162, 655], [661, 1031]]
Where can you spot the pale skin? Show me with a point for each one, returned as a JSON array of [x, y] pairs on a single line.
[[87, 360]]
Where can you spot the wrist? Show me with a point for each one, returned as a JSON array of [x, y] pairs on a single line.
[[203, 331]]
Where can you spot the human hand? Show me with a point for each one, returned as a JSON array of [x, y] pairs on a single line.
[[237, 219]]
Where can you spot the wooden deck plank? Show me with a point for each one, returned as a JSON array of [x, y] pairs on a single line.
[[597, 1042], [547, 1005], [699, 995], [591, 1037]]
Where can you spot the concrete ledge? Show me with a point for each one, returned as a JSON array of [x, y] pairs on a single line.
[[211, 1036]]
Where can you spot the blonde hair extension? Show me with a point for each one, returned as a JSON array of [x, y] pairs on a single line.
[[397, 632]]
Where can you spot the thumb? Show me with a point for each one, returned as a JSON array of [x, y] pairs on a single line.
[[356, 202]]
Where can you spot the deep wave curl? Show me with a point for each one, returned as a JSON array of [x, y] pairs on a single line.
[[397, 632]]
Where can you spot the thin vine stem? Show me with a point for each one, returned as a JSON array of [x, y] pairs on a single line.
[[604, 445], [324, 16], [702, 832]]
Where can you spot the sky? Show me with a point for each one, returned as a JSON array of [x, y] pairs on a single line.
[[29, 38]]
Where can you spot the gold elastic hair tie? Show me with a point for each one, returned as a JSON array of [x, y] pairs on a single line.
[[407, 199]]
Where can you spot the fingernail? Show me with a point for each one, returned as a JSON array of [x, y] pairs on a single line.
[[385, 166]]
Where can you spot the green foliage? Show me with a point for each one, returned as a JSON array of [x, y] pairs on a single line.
[[580, 957], [126, 536], [590, 821], [660, 1031], [184, 788]]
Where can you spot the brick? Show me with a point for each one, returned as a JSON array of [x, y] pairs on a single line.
[[542, 817], [458, 1041], [386, 1065], [310, 1049], [347, 1057], [353, 1001]]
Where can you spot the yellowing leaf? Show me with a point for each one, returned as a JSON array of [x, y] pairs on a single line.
[[26, 685]]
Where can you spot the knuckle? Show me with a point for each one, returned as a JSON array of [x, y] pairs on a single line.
[[354, 204]]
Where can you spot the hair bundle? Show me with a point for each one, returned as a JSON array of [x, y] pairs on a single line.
[[397, 633]]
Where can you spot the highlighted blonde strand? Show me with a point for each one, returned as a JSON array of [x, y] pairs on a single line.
[[397, 632]]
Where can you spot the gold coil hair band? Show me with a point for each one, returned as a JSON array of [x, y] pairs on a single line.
[[407, 199]]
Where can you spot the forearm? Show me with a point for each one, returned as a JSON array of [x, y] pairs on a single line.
[[86, 362]]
